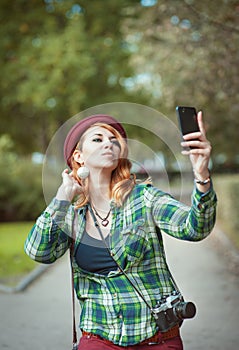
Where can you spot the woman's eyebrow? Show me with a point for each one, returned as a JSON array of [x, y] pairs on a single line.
[[98, 134]]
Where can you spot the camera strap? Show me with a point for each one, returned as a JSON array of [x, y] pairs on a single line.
[[72, 244], [120, 268]]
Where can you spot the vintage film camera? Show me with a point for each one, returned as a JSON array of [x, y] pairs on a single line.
[[171, 311]]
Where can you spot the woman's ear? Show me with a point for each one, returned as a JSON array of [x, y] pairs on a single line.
[[77, 156]]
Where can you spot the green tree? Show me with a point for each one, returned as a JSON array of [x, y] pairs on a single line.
[[20, 184], [59, 58], [186, 52]]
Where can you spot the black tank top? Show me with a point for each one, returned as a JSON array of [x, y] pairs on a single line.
[[92, 255]]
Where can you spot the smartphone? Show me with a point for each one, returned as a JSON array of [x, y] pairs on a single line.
[[187, 118]]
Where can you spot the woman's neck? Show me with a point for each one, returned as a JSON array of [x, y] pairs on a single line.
[[99, 192]]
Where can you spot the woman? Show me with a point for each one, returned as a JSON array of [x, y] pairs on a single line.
[[116, 226]]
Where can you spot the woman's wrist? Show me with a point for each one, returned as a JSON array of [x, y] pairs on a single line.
[[202, 177], [61, 194], [202, 181]]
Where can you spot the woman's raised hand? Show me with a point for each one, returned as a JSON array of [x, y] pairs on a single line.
[[69, 187], [200, 152]]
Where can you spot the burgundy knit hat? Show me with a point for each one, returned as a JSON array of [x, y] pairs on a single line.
[[79, 128]]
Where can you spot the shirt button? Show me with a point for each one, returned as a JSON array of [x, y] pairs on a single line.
[[120, 316], [115, 295]]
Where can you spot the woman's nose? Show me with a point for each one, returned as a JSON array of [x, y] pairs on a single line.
[[108, 143]]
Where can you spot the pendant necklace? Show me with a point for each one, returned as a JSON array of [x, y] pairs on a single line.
[[104, 221]]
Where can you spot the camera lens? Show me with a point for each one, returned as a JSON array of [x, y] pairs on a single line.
[[185, 310]]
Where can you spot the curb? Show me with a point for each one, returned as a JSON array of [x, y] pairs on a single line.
[[26, 281]]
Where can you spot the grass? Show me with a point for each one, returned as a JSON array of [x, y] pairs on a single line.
[[14, 263]]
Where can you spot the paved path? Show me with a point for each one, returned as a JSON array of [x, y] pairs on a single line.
[[40, 317]]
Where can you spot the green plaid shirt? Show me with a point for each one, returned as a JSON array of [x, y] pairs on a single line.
[[110, 306]]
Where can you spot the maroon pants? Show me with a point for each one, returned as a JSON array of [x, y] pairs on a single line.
[[92, 343]]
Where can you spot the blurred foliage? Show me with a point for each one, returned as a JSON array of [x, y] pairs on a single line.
[[190, 48], [21, 184], [227, 188], [60, 57]]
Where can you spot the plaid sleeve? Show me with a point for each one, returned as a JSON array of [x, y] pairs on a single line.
[[181, 221], [49, 239]]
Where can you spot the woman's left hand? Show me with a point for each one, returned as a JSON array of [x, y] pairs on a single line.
[[201, 151]]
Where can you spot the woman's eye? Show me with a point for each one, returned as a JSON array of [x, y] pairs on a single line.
[[97, 139], [116, 142]]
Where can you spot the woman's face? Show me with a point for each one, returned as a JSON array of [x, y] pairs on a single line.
[[100, 149]]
